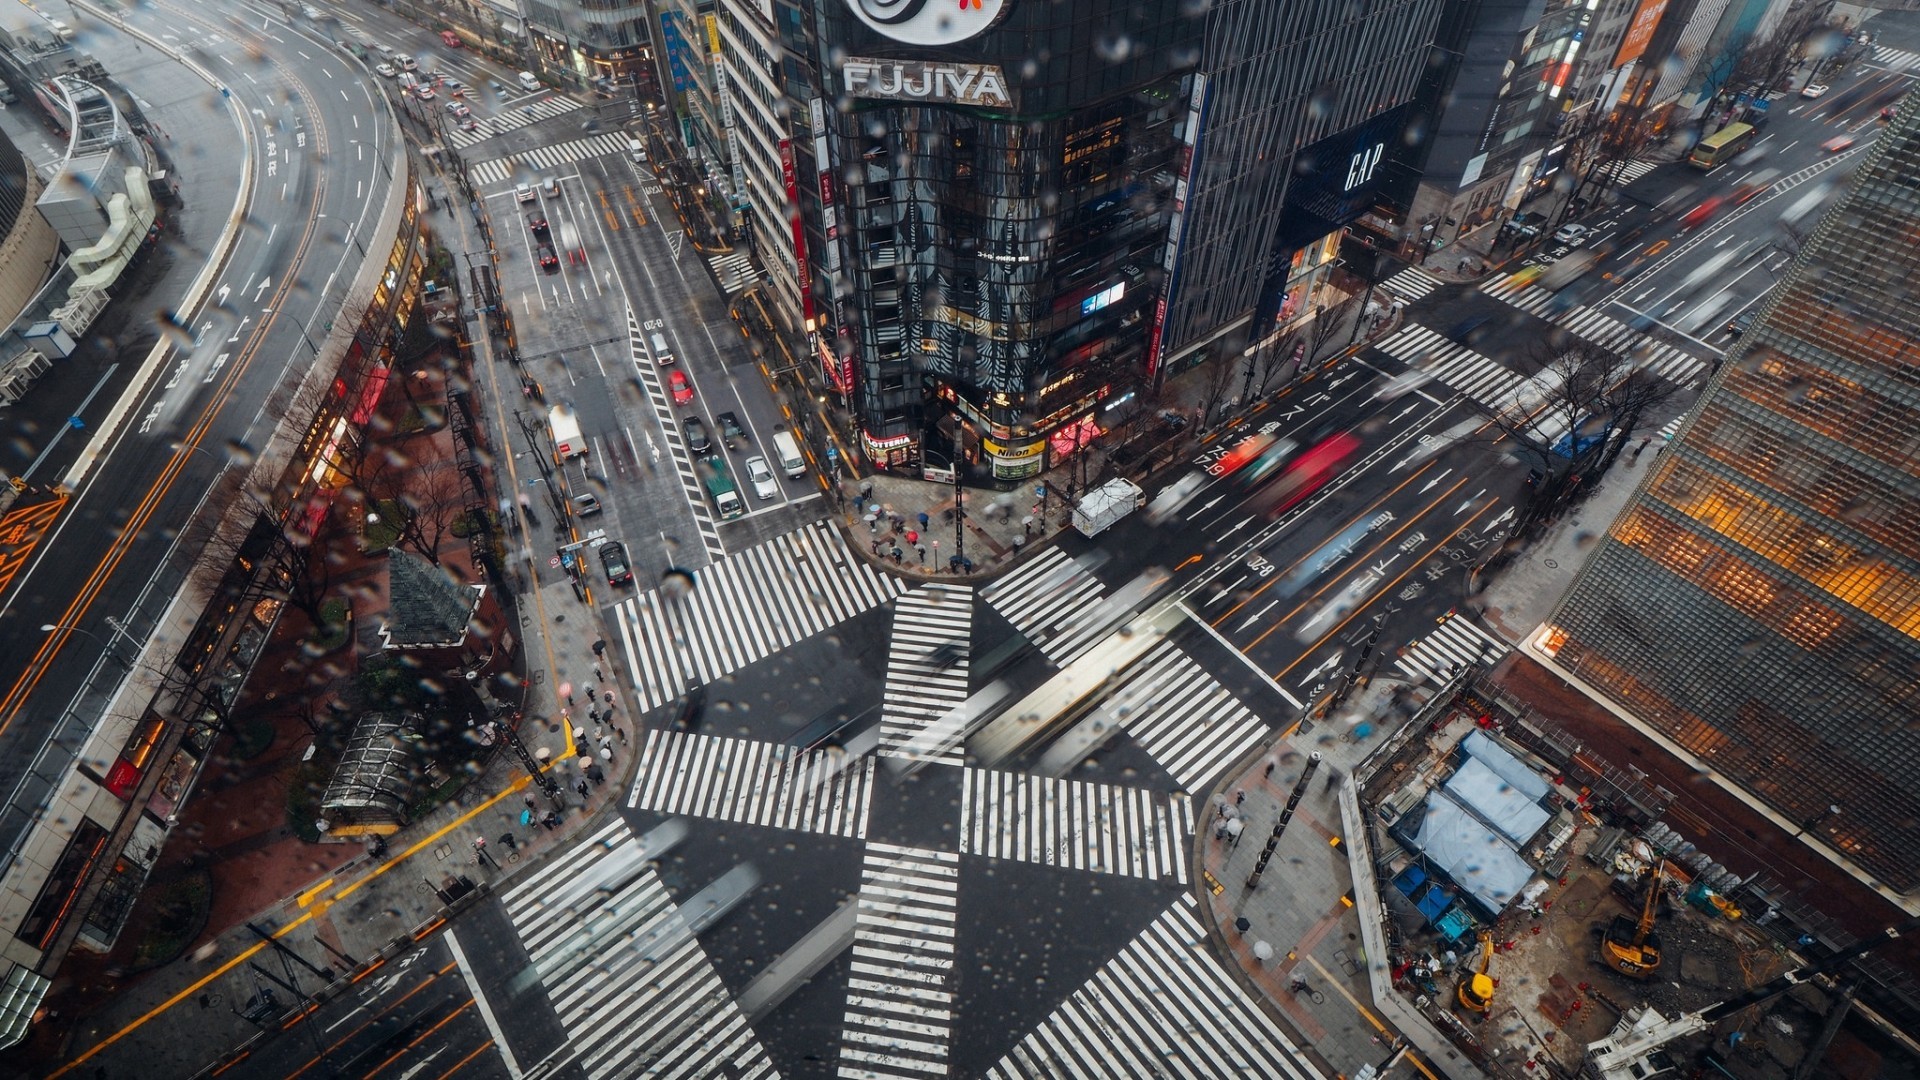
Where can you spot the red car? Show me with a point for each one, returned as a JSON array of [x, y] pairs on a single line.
[[682, 389], [548, 260], [1703, 213], [1837, 144]]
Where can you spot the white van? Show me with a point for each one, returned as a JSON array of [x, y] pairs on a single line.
[[788, 451], [637, 151], [661, 354], [528, 82]]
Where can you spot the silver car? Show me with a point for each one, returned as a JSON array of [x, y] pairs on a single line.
[[764, 485]]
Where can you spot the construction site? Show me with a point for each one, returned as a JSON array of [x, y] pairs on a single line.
[[1542, 914]]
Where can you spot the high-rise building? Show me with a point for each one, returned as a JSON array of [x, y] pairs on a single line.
[[1010, 208], [1758, 601]]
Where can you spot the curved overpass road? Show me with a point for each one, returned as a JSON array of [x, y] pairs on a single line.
[[308, 121]]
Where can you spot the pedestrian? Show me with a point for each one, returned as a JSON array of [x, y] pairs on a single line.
[[876, 545], [1026, 525], [1240, 796], [598, 675], [609, 697], [599, 648], [551, 821], [1334, 776], [622, 733], [594, 774], [606, 752], [580, 786], [1270, 764], [912, 537], [1018, 543], [593, 714], [530, 803], [923, 521], [606, 741], [922, 549], [898, 555], [1463, 266], [507, 839]]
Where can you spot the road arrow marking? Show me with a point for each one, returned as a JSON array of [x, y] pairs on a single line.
[[262, 287], [1431, 484]]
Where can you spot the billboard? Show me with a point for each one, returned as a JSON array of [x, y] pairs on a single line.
[[1640, 31]]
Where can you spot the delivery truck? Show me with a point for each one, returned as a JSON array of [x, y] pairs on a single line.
[[567, 441], [1100, 508]]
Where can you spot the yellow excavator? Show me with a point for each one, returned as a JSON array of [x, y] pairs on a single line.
[[1630, 946], [1476, 989]]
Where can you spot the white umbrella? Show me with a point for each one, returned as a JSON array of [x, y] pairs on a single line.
[[1262, 951], [1235, 827]]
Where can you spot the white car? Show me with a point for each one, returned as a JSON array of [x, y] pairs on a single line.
[[1572, 235], [1813, 90], [386, 69], [523, 193], [764, 484]]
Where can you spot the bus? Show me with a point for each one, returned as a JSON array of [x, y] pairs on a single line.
[[1721, 146]]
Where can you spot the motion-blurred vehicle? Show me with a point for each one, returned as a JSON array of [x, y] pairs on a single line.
[[1755, 186], [459, 109], [1306, 474], [469, 124], [1838, 143], [681, 389], [1402, 384], [1572, 235], [1813, 90], [586, 504], [1703, 213], [1175, 496], [1743, 322], [425, 90]]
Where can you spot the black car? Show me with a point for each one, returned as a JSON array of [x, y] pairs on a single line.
[[538, 223], [1743, 322], [696, 432], [548, 260], [613, 557], [730, 427]]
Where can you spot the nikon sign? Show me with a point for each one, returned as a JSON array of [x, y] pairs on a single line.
[[930, 81]]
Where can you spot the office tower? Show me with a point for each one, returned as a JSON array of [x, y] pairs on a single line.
[[1013, 210], [1758, 601]]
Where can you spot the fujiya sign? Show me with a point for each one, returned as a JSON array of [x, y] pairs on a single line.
[[929, 22], [982, 85]]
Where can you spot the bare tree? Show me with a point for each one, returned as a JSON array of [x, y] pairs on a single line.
[[1327, 324], [1571, 420], [1216, 375], [430, 496], [1269, 361]]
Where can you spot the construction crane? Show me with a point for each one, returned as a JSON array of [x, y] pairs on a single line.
[[1631, 947], [1476, 989], [1633, 1049]]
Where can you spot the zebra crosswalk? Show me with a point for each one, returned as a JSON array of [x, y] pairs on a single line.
[[1478, 376], [540, 158], [1105, 828], [513, 117], [734, 271], [753, 783], [744, 608], [1897, 59], [1457, 640], [1183, 717], [1656, 358], [1054, 601], [927, 674], [1627, 172], [899, 1018], [1164, 998], [1411, 283], [660, 1010]]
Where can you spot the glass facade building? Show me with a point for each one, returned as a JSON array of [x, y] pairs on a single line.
[[1758, 602]]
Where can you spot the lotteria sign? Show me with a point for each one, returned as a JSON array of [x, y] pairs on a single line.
[[980, 85], [929, 22]]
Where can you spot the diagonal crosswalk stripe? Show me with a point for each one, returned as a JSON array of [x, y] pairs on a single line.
[[927, 674], [1183, 717], [1054, 601], [628, 1008], [1122, 1022], [899, 1016], [498, 170]]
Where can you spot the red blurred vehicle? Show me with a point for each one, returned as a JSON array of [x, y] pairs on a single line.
[[1307, 474], [682, 389], [1703, 213]]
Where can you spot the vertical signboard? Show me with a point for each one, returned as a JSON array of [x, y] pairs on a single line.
[[1640, 31], [1177, 225]]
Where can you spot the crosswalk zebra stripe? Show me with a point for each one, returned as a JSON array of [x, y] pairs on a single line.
[[744, 608], [1190, 724], [1633, 170], [922, 689], [1668, 362], [1105, 828], [1895, 58], [495, 170], [1412, 283], [1166, 980], [666, 1015], [753, 783], [1457, 640], [1469, 372], [900, 1000], [1050, 600]]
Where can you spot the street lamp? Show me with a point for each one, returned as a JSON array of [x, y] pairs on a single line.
[[106, 644]]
